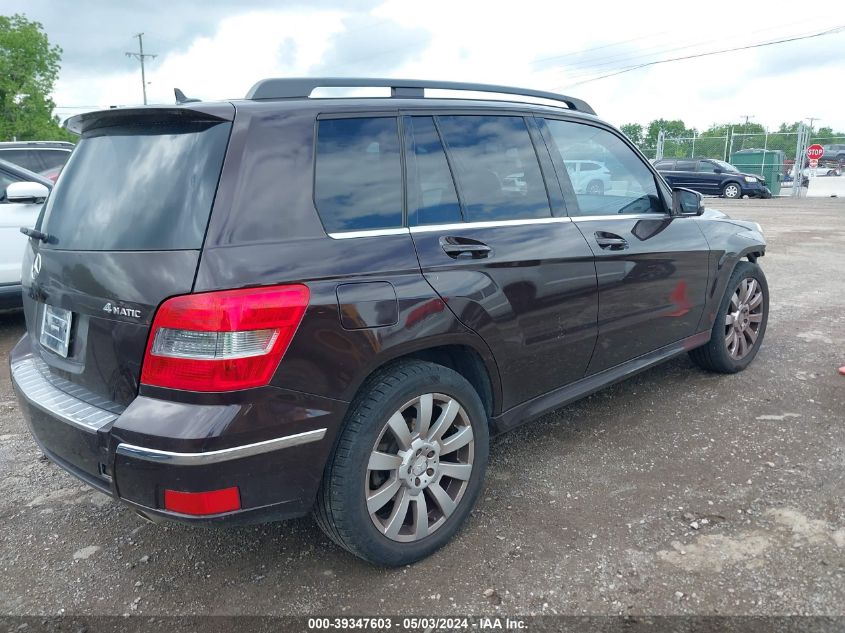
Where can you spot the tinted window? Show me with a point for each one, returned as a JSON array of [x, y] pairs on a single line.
[[431, 190], [358, 184], [685, 165], [496, 167], [28, 159], [667, 165], [621, 184], [53, 158], [5, 181], [707, 167], [138, 188]]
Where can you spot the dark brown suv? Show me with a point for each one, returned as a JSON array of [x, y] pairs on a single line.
[[250, 310]]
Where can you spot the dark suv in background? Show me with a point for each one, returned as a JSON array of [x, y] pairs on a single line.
[[249, 310], [712, 177], [41, 157]]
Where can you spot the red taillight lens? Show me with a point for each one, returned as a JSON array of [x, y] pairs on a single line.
[[198, 503], [222, 341]]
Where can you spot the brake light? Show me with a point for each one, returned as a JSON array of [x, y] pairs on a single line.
[[222, 341], [200, 503]]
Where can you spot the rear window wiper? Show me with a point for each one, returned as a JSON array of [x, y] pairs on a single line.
[[36, 234]]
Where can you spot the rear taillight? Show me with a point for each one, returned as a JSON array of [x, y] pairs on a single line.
[[222, 341]]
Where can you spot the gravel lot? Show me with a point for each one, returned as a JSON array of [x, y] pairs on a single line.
[[677, 492]]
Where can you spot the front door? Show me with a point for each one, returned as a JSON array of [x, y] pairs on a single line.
[[510, 270], [652, 267]]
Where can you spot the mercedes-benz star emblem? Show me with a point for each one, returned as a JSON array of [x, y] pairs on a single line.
[[36, 265]]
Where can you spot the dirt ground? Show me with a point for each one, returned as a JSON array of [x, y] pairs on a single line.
[[677, 492]]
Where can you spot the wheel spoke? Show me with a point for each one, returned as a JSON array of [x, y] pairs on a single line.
[[420, 516], [456, 441], [756, 300], [397, 515], [383, 461], [400, 430], [730, 341], [456, 471], [729, 319], [735, 301], [755, 318], [424, 408], [380, 497], [447, 416], [741, 346], [752, 336], [752, 288], [442, 498]]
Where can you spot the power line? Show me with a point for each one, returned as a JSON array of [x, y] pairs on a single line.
[[140, 56], [707, 54]]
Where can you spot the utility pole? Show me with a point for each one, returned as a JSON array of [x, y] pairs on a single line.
[[745, 127], [140, 55]]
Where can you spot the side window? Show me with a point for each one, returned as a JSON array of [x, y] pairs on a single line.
[[496, 167], [619, 181], [707, 167], [52, 158], [358, 179], [685, 165], [28, 159], [665, 165], [432, 198]]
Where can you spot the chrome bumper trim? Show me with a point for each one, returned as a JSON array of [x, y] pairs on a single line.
[[42, 393], [214, 457]]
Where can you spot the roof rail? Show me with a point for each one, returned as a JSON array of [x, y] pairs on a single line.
[[302, 87]]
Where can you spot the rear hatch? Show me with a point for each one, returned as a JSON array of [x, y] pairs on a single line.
[[125, 225]]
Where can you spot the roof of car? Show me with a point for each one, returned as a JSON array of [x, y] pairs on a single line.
[[36, 145]]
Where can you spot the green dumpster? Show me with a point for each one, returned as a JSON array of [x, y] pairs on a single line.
[[767, 163]]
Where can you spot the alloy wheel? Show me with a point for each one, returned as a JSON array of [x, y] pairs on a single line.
[[744, 318], [420, 467], [731, 191]]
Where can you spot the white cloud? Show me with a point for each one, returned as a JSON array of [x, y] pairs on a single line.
[[510, 43]]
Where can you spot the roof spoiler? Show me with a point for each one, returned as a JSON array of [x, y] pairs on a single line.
[[81, 123], [302, 87]]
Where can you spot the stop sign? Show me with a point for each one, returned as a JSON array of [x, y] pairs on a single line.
[[815, 152]]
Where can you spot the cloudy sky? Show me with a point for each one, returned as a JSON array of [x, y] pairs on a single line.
[[216, 49]]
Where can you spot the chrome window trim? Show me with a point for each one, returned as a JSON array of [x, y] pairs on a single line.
[[457, 226], [348, 235], [622, 216], [215, 457]]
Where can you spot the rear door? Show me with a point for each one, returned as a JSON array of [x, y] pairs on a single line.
[[13, 215], [652, 267], [518, 275], [126, 224]]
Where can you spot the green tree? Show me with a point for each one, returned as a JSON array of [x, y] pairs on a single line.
[[28, 70], [634, 131]]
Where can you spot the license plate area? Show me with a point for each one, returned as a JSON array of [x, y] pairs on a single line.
[[55, 329]]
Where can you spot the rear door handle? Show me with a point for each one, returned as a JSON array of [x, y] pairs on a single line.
[[456, 246], [611, 241]]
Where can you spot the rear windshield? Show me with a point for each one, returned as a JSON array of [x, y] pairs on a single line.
[[137, 188]]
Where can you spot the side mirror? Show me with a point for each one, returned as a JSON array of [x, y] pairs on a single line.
[[687, 202], [26, 192]]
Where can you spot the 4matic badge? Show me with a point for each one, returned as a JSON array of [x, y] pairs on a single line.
[[116, 310]]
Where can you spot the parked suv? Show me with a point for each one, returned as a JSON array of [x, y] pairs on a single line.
[[250, 310], [836, 152], [37, 156], [712, 177]]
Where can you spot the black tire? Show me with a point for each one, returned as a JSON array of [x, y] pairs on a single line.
[[341, 508], [595, 188], [714, 356], [732, 190]]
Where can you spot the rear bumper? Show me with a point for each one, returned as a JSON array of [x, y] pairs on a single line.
[[273, 448]]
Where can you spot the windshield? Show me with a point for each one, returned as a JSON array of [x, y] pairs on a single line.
[[725, 166], [138, 187]]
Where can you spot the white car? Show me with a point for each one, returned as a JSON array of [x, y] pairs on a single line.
[[22, 193], [588, 176]]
